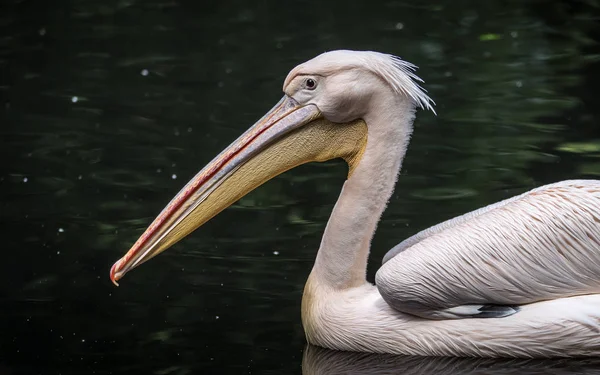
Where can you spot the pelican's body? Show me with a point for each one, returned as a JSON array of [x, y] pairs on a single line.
[[470, 261], [520, 278]]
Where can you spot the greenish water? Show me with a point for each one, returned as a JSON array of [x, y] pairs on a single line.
[[109, 107]]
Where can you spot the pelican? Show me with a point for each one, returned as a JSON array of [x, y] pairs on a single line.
[[519, 278]]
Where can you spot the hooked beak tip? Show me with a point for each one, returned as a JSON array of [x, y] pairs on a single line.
[[114, 275]]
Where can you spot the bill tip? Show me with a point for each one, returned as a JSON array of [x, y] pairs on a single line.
[[114, 275]]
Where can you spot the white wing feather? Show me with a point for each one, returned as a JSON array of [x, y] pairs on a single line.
[[541, 245]]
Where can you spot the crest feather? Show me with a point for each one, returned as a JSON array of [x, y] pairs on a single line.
[[400, 75]]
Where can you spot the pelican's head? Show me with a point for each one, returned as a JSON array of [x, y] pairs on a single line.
[[319, 118], [343, 84]]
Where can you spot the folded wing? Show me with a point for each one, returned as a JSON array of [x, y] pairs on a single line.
[[541, 245]]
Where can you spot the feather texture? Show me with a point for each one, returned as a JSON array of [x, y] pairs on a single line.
[[544, 244]]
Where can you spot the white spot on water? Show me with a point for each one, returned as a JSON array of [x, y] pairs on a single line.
[[25, 179], [174, 176], [275, 252], [514, 34], [399, 26], [144, 72], [519, 84], [42, 31], [74, 99], [61, 230], [217, 317]]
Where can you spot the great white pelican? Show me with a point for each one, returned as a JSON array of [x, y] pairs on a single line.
[[519, 278]]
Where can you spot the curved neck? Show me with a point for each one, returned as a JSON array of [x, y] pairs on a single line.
[[342, 258]]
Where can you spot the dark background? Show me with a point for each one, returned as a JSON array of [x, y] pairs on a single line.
[[109, 107]]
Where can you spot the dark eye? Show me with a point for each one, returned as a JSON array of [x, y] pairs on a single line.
[[310, 84]]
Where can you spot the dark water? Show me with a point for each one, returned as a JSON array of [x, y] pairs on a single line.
[[109, 107]]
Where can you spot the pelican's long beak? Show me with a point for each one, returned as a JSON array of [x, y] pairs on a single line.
[[288, 135]]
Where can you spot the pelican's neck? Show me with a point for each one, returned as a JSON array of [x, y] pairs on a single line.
[[342, 258]]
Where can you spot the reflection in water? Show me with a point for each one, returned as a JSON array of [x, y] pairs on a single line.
[[319, 361]]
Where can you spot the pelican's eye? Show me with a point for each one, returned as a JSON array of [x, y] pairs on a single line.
[[310, 84]]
